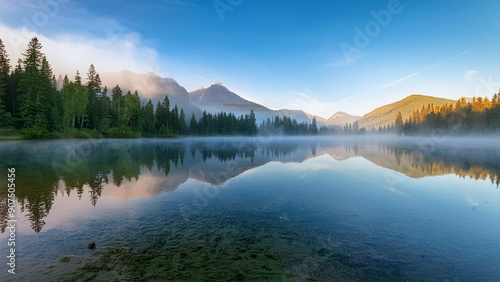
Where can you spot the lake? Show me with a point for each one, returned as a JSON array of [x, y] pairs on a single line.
[[310, 208]]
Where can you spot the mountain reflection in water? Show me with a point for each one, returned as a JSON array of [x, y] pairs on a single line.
[[130, 168]]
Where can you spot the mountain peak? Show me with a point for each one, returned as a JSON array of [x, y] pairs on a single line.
[[218, 96], [341, 118], [340, 113], [149, 85]]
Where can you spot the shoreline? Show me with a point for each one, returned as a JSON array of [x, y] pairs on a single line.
[[339, 136]]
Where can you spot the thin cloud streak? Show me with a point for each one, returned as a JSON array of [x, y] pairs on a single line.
[[303, 95], [325, 108], [399, 80]]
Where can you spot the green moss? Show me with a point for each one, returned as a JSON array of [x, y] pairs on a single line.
[[65, 259], [218, 258]]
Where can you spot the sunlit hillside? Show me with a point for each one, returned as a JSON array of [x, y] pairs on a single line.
[[385, 115]]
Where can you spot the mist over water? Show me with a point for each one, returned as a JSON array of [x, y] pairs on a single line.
[[265, 207]]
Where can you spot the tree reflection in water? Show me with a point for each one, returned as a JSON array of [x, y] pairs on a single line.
[[46, 168]]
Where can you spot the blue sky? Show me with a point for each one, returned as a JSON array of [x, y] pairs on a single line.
[[282, 54]]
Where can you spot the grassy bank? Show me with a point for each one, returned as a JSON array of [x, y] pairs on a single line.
[[74, 133]]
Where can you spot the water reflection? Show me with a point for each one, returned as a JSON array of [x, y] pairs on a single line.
[[129, 168]]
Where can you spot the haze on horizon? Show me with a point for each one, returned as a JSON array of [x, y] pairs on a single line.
[[317, 56]]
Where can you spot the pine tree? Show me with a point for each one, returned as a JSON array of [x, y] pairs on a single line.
[[127, 109], [132, 107], [149, 120], [11, 100], [52, 100], [103, 111], [136, 111], [253, 124], [4, 70], [31, 96], [313, 129], [78, 78], [182, 122], [193, 125], [203, 125], [94, 87], [68, 101], [5, 116], [81, 99], [164, 116], [399, 123], [117, 106], [355, 127], [175, 119]]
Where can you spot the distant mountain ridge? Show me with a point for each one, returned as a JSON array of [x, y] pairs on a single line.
[[217, 98], [213, 99], [151, 86], [386, 115]]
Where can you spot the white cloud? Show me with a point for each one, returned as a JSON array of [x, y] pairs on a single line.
[[470, 73], [69, 53]]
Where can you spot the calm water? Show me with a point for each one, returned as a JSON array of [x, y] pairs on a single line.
[[263, 208]]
